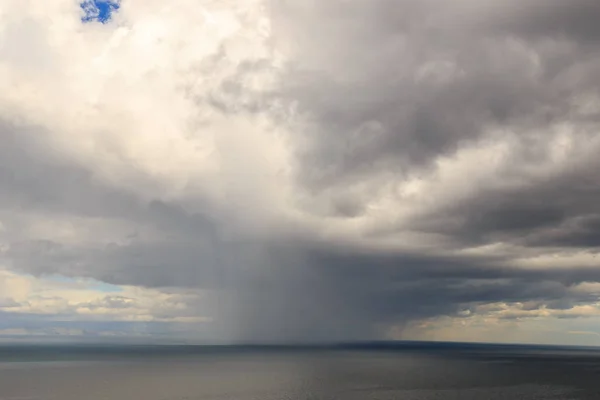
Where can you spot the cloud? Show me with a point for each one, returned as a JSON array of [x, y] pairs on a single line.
[[297, 171], [583, 333], [68, 298]]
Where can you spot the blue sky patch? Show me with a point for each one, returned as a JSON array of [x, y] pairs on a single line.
[[105, 287], [99, 10], [93, 284]]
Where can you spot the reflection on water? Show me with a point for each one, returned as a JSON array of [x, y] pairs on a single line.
[[236, 373]]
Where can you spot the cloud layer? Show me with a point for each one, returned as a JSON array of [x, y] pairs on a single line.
[[321, 170]]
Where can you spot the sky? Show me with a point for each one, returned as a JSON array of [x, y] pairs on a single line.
[[293, 171]]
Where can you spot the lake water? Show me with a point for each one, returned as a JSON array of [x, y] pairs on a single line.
[[411, 372]]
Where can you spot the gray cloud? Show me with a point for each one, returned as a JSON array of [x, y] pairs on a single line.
[[372, 95], [543, 19]]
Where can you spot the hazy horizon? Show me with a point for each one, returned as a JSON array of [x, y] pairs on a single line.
[[391, 344]]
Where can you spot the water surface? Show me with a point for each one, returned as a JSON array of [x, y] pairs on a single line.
[[378, 372]]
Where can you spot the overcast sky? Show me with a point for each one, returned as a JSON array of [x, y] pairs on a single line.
[[300, 170]]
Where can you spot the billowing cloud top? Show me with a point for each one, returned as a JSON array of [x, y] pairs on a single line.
[[293, 170]]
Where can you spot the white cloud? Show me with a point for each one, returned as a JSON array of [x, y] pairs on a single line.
[[191, 143], [81, 299]]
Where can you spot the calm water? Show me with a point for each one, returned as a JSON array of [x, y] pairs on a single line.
[[411, 372]]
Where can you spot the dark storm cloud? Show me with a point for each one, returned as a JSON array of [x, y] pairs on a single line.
[[389, 90], [384, 90], [159, 264], [557, 211], [574, 20], [322, 294], [34, 176], [583, 231], [390, 93]]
